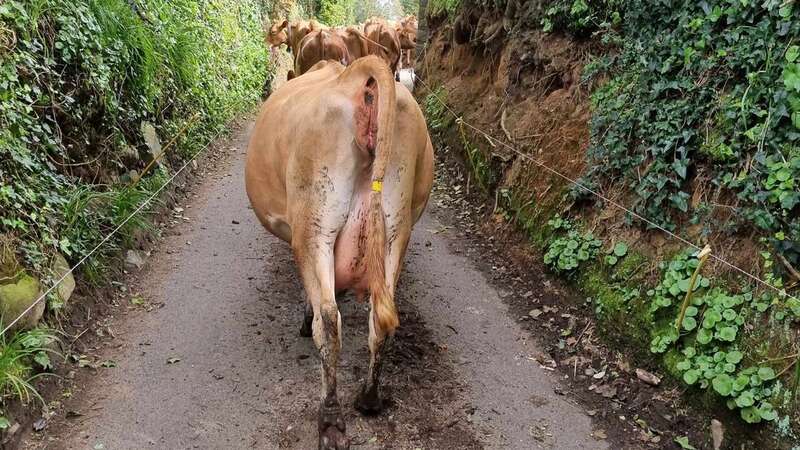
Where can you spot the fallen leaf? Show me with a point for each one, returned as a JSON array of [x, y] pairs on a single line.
[[717, 433], [40, 424], [599, 434], [647, 377], [606, 390], [173, 360]]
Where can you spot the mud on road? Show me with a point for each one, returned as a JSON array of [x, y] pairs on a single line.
[[206, 353]]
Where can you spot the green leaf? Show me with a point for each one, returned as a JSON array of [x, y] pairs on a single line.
[[729, 314], [734, 357], [691, 311], [792, 52], [611, 260], [723, 384], [745, 399], [741, 382], [704, 336], [767, 412], [621, 249], [750, 415], [683, 441], [43, 360], [689, 323], [4, 423], [766, 373], [691, 376], [684, 284], [727, 334]]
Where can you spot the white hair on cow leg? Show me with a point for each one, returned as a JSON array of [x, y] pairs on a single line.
[[407, 78]]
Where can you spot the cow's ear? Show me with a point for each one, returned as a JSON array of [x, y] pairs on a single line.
[[284, 25]]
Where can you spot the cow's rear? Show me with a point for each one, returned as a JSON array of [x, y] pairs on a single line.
[[340, 165]]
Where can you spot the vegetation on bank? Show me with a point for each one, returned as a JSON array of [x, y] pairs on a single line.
[[695, 125], [89, 89]]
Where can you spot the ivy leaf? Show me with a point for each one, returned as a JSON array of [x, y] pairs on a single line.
[[792, 52], [723, 384]]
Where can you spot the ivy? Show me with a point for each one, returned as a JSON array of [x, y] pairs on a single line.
[[77, 78], [709, 87]]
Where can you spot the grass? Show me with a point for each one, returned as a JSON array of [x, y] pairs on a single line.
[[19, 355]]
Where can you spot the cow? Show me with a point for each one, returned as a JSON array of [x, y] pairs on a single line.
[[290, 33], [342, 176], [356, 42], [319, 46], [383, 41], [406, 31]]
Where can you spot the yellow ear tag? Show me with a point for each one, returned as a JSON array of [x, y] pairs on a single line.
[[377, 186]]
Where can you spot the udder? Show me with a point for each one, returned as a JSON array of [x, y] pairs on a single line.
[[350, 247]]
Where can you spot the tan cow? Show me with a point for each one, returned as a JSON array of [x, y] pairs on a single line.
[[319, 46], [383, 41], [342, 176], [356, 42], [406, 31], [291, 33]]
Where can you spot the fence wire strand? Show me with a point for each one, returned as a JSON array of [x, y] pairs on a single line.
[[143, 205], [460, 120]]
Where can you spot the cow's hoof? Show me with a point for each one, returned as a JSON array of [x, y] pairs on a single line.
[[333, 439], [332, 429], [369, 403]]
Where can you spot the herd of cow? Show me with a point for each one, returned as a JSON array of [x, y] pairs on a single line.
[[340, 166], [311, 42]]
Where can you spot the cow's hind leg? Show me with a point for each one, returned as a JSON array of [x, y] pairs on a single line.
[[326, 324], [369, 400]]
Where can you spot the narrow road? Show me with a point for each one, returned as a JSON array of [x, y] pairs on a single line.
[[220, 365]]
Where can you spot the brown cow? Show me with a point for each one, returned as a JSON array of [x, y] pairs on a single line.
[[342, 176], [319, 46], [291, 33], [407, 35], [356, 42], [383, 41]]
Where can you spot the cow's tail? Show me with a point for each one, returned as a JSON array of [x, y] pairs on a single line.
[[378, 90]]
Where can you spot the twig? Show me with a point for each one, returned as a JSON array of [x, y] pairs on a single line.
[[703, 257], [503, 127], [164, 150], [788, 266], [780, 358], [785, 369]]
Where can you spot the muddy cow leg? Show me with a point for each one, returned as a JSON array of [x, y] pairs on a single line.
[[316, 266], [369, 401], [308, 317]]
